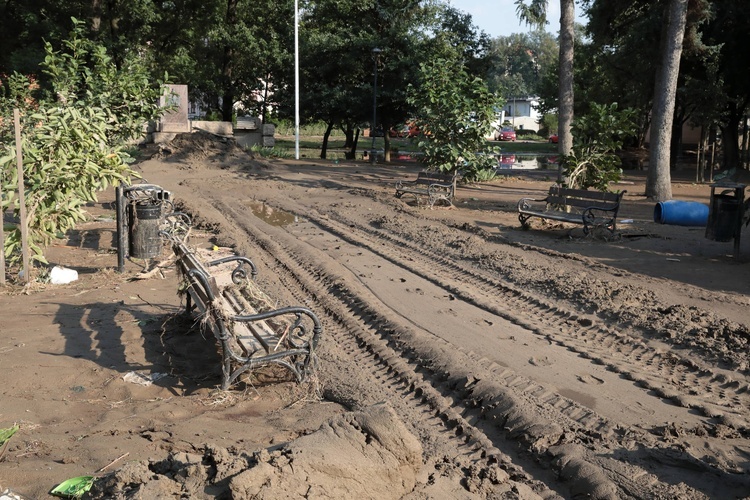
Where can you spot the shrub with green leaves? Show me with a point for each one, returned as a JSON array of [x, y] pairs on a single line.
[[455, 116], [597, 137], [73, 137]]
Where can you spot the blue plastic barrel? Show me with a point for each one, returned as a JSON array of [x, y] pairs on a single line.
[[681, 213]]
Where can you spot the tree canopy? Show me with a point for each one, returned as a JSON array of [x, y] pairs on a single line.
[[238, 54]]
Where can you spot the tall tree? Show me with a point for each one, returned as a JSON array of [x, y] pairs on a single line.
[[457, 110], [658, 181], [337, 80], [535, 13], [519, 62]]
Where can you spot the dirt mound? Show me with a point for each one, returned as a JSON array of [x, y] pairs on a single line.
[[200, 146], [367, 454]]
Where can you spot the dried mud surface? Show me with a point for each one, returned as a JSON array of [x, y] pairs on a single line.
[[462, 356]]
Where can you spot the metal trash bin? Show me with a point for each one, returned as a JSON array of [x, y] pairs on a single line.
[[144, 207], [143, 225], [725, 212]]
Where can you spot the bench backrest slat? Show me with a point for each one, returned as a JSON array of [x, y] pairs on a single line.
[[584, 194], [431, 177], [577, 202], [583, 198]]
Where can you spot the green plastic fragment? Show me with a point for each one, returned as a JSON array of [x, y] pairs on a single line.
[[74, 487], [5, 434]]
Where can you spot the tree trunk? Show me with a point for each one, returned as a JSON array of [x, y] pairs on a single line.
[[744, 148], [352, 153], [658, 181], [227, 65], [565, 78], [348, 135], [326, 135], [730, 137], [96, 16], [386, 142]]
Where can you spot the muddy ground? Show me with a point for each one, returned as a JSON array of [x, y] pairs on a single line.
[[462, 356]]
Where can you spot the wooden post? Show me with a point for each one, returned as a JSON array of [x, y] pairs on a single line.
[[22, 198], [2, 234]]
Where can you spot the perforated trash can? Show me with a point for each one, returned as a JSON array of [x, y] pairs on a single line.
[[143, 226], [723, 217]]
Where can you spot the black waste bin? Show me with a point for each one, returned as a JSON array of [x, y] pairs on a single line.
[[724, 216], [144, 218]]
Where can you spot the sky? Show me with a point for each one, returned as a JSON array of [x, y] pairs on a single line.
[[499, 18]]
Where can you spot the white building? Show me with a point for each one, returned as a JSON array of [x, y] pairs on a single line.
[[522, 114]]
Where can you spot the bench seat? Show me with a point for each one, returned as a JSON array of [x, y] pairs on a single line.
[[577, 206], [250, 330], [436, 186]]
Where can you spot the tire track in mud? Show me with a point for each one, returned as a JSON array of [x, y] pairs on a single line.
[[619, 352], [357, 329], [464, 399], [471, 407], [571, 325]]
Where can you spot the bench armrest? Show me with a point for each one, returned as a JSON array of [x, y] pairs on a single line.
[[525, 203], [238, 274], [297, 334], [402, 183]]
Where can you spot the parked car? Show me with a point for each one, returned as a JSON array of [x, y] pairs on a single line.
[[506, 134], [506, 161], [402, 132], [553, 138]]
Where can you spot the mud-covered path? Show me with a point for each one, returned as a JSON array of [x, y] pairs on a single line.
[[521, 367]]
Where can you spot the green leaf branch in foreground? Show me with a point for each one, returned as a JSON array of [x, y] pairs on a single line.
[[597, 138], [72, 141], [455, 115]]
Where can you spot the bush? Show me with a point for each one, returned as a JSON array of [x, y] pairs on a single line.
[[455, 116], [72, 139], [597, 137]]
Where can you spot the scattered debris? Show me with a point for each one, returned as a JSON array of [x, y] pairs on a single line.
[[143, 378], [74, 487], [62, 275]]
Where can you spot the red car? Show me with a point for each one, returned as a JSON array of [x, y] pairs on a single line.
[[506, 134], [553, 138]]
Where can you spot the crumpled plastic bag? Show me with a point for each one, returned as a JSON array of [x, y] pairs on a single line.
[[62, 275], [142, 378]]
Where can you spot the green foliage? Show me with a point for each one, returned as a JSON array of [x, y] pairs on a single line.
[[74, 147], [286, 127], [83, 75], [520, 61], [549, 123], [455, 116], [267, 152], [597, 137], [483, 175]]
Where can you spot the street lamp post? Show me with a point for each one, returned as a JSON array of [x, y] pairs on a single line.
[[375, 52]]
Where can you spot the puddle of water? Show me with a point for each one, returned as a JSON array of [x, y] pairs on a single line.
[[527, 162], [271, 215]]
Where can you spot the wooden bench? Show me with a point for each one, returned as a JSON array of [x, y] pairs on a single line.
[[250, 330], [436, 186], [579, 206]]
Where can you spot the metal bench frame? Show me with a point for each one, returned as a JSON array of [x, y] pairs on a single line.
[[248, 339], [592, 209], [436, 186]]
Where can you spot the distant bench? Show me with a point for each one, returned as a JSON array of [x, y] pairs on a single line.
[[250, 331], [436, 186], [578, 206]]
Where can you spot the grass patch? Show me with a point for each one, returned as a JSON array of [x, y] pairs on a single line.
[[310, 146]]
